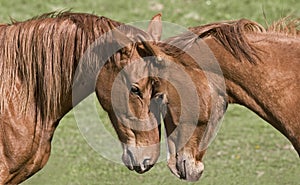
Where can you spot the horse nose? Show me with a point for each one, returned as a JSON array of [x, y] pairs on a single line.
[[128, 160], [144, 166], [190, 170], [133, 163], [186, 168]]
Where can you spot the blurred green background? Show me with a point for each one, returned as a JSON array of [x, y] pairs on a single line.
[[247, 150]]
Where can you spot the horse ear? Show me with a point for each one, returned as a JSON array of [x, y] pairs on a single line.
[[120, 38], [155, 27], [153, 49]]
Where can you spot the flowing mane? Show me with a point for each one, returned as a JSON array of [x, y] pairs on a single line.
[[287, 26], [42, 54], [232, 35]]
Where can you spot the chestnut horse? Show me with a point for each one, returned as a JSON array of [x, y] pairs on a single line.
[[259, 67], [39, 59]]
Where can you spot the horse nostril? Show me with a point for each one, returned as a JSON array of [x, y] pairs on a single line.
[[146, 163], [189, 170], [181, 168], [184, 169], [128, 160], [144, 166]]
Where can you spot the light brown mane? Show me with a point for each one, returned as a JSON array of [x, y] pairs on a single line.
[[232, 35], [43, 53], [287, 26]]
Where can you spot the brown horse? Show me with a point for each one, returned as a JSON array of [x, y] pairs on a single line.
[[40, 84], [259, 68]]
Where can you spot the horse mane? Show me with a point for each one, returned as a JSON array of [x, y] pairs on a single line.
[[231, 35], [42, 54], [287, 26]]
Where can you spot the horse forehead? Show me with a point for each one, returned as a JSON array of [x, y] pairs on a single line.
[[136, 71]]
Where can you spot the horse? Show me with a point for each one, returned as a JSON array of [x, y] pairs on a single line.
[[228, 62], [41, 80]]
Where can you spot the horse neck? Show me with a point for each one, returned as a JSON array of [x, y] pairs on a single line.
[[73, 88], [270, 87]]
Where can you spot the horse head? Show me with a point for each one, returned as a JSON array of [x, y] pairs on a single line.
[[129, 105], [194, 102]]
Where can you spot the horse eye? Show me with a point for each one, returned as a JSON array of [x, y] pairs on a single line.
[[135, 90]]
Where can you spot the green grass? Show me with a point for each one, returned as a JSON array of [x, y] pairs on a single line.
[[246, 151]]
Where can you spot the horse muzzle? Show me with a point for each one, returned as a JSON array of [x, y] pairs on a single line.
[[186, 168], [140, 159]]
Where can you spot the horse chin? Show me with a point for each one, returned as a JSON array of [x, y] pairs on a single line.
[[188, 169]]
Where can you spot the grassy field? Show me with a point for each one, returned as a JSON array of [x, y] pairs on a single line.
[[246, 151]]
